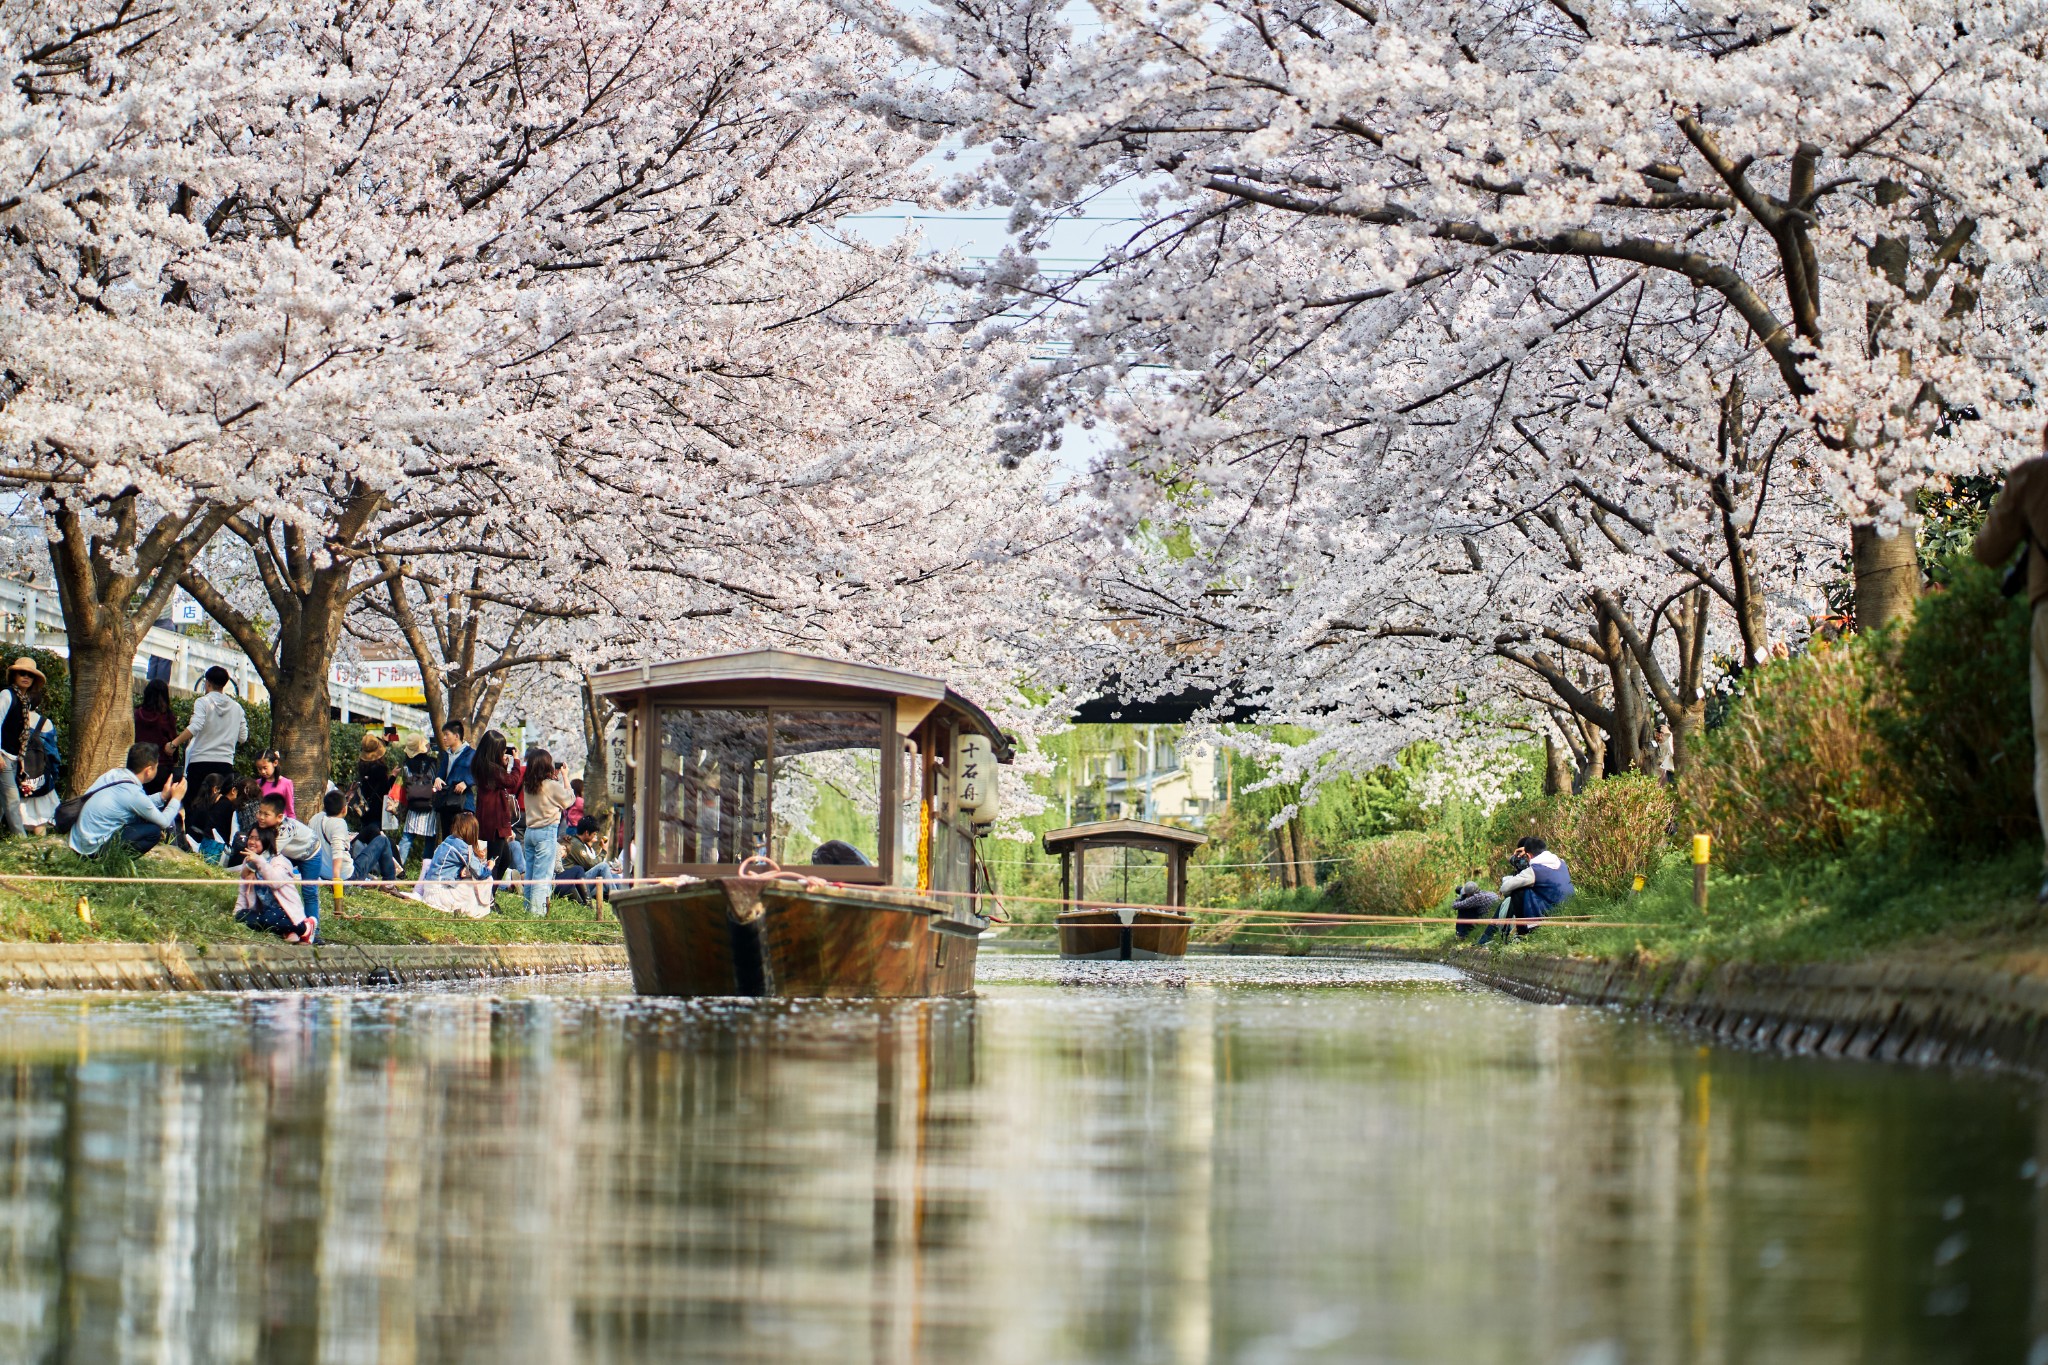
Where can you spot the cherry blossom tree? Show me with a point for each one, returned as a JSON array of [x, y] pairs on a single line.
[[1859, 191]]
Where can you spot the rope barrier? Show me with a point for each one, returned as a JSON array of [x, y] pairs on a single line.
[[1334, 918]]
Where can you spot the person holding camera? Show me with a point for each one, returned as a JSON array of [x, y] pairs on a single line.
[[1537, 883], [118, 807]]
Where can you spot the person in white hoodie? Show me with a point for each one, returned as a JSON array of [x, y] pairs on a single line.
[[217, 727]]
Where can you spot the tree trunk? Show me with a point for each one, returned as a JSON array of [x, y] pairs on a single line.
[[107, 612], [597, 801], [1304, 865], [1557, 769], [1887, 572], [301, 732], [1283, 853], [102, 701]]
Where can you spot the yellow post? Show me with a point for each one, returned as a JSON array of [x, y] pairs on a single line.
[[1702, 854]]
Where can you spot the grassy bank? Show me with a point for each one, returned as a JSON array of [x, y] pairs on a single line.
[[1873, 903], [47, 911]]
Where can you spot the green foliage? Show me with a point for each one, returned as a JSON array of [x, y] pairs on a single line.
[[1610, 834], [1411, 872], [1950, 516], [1957, 720], [1797, 769]]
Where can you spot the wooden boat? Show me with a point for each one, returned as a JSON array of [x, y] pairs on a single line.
[[812, 825], [1122, 932]]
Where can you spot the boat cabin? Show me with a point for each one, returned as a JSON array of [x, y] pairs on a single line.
[[1092, 856], [843, 771]]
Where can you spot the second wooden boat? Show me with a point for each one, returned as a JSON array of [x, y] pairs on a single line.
[[1091, 856]]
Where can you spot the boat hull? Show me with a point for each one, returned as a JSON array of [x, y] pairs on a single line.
[[733, 936], [1124, 935]]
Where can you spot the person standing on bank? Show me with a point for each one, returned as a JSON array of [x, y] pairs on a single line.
[[497, 786], [547, 796], [372, 784], [154, 724], [420, 788], [116, 807], [17, 707], [20, 711], [217, 727], [453, 777], [2019, 518], [41, 766]]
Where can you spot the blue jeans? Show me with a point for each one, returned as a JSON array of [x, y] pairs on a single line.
[[314, 872], [541, 850], [375, 861], [582, 882], [143, 835], [269, 916]]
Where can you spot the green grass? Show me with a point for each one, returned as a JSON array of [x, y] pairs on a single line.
[[47, 912], [1873, 902]]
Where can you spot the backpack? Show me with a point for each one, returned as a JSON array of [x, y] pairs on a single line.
[[69, 811], [35, 759], [419, 790]]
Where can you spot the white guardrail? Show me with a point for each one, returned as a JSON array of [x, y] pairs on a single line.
[[34, 616]]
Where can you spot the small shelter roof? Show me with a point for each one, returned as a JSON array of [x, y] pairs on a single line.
[[922, 695], [1122, 833]]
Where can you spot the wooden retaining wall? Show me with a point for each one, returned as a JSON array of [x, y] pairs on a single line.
[[283, 966], [1917, 1013]]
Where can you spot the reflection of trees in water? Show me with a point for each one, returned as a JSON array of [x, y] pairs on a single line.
[[1149, 1174]]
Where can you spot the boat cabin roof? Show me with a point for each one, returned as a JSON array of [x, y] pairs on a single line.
[[1122, 834], [780, 674]]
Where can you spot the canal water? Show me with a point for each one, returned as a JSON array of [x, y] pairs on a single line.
[[1235, 1160]]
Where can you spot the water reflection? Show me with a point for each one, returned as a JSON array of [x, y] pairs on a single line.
[[1255, 1162]]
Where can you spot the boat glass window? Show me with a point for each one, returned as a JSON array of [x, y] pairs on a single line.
[[1132, 876], [714, 785], [827, 797]]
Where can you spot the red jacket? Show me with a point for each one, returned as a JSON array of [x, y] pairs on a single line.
[[497, 807]]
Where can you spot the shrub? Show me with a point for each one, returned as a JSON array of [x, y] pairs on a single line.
[[1619, 828], [1406, 873], [1957, 724], [1798, 766], [1608, 834]]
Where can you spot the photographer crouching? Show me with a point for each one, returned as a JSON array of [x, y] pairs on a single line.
[[1537, 883]]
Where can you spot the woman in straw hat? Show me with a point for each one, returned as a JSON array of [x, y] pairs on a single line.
[[20, 711]]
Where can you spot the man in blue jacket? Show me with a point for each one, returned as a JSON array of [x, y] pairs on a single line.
[[1539, 883], [454, 787], [117, 807]]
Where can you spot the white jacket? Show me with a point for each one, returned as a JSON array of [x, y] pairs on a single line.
[[218, 725]]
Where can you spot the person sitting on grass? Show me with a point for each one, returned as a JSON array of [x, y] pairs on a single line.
[[1473, 902], [298, 842], [332, 827], [268, 901], [371, 855], [210, 818], [117, 807], [584, 866], [1538, 883], [457, 879]]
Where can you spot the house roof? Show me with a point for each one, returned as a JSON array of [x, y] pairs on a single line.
[[1124, 833]]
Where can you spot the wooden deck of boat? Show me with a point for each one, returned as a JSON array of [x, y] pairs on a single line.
[[709, 938], [1126, 934]]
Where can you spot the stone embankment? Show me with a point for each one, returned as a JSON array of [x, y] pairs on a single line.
[[1925, 1013], [284, 967]]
